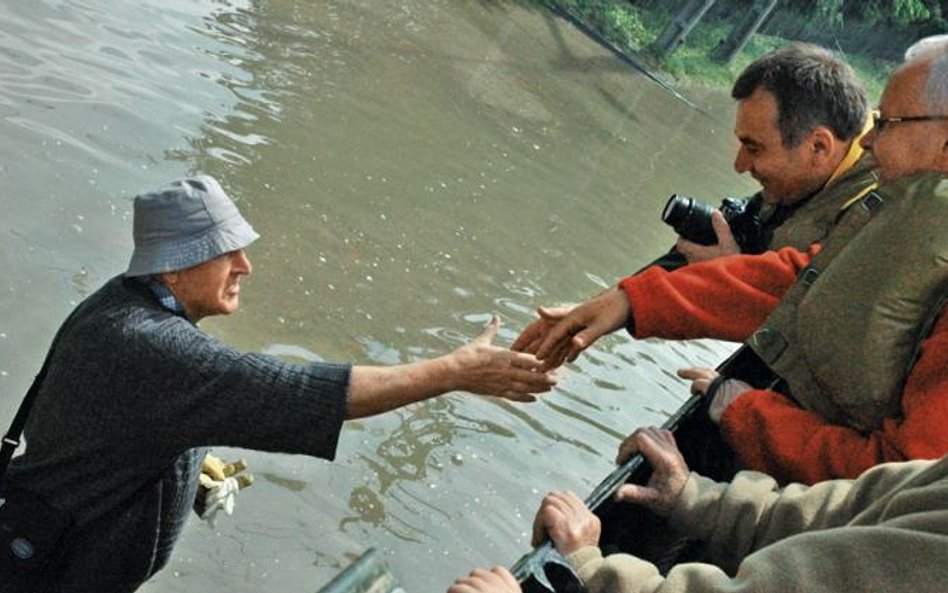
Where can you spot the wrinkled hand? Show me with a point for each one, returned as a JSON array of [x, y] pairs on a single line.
[[670, 472], [495, 580], [700, 378], [491, 370], [218, 486], [726, 245], [533, 335], [565, 518], [582, 326]]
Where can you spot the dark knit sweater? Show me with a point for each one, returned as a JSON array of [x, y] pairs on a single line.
[[133, 395]]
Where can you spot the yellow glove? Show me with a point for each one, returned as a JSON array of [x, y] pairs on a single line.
[[218, 486]]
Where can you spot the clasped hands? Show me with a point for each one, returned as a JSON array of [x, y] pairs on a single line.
[[570, 525], [560, 334]]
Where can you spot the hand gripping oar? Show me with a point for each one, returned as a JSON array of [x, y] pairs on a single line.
[[534, 563]]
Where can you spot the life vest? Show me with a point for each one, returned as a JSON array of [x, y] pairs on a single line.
[[813, 221], [845, 336]]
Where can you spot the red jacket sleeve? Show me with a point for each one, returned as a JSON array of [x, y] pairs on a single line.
[[725, 298], [769, 433]]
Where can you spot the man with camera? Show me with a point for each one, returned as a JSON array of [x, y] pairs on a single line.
[[800, 114], [850, 335]]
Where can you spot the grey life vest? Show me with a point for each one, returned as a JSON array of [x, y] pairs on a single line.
[[845, 336]]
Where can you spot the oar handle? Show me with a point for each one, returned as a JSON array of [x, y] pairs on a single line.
[[523, 568], [608, 486]]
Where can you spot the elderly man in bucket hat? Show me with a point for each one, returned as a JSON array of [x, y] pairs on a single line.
[[120, 422]]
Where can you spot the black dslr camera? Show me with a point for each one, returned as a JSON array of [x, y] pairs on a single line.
[[691, 218]]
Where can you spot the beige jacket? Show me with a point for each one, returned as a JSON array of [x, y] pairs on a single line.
[[886, 531]]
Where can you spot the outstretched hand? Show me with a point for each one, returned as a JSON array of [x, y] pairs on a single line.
[[495, 580], [568, 522], [670, 472], [491, 370], [726, 245], [533, 335], [582, 326]]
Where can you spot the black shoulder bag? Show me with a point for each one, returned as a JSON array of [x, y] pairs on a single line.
[[30, 529]]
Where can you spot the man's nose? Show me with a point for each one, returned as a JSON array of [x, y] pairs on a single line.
[[741, 162], [868, 139], [241, 263]]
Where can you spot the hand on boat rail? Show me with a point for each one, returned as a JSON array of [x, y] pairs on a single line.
[[533, 564]]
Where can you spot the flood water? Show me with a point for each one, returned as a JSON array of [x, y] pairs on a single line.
[[412, 167]]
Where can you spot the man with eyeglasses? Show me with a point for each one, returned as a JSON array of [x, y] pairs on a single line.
[[850, 333]]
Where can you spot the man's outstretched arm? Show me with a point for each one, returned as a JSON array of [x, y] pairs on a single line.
[[726, 298], [478, 367]]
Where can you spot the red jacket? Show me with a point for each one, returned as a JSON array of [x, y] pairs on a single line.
[[729, 298]]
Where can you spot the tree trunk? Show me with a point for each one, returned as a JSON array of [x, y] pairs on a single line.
[[675, 32], [742, 33]]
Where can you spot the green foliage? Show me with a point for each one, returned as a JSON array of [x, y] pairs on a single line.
[[633, 28], [898, 13], [830, 12], [616, 20], [623, 24]]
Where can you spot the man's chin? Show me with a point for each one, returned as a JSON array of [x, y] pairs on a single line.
[[230, 305], [771, 199]]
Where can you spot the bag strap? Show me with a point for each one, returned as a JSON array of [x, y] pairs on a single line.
[[11, 440]]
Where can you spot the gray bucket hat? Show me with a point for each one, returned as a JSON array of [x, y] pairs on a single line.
[[185, 223]]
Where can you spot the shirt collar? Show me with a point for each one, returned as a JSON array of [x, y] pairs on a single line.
[[162, 294], [852, 155]]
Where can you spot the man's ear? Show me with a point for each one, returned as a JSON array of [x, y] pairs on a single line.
[[942, 164], [823, 145], [169, 279]]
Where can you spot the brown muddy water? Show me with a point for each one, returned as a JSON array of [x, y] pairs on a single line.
[[412, 166]]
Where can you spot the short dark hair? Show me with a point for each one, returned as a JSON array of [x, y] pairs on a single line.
[[812, 87]]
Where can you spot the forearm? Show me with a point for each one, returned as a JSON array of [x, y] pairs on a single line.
[[769, 433], [726, 298], [623, 573], [792, 539], [377, 389]]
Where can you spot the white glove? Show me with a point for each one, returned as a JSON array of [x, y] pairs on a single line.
[[219, 484], [221, 496], [724, 394]]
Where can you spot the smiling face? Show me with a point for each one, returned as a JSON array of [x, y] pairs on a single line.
[[787, 175], [906, 148], [210, 288]]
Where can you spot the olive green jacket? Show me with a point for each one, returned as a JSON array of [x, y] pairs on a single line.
[[886, 531]]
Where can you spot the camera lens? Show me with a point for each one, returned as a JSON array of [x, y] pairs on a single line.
[[690, 218]]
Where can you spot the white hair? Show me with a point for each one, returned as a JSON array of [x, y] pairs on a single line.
[[924, 45], [936, 84]]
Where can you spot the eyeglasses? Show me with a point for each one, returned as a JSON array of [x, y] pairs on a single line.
[[880, 122]]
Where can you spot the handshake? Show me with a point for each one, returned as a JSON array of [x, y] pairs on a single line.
[[560, 334]]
